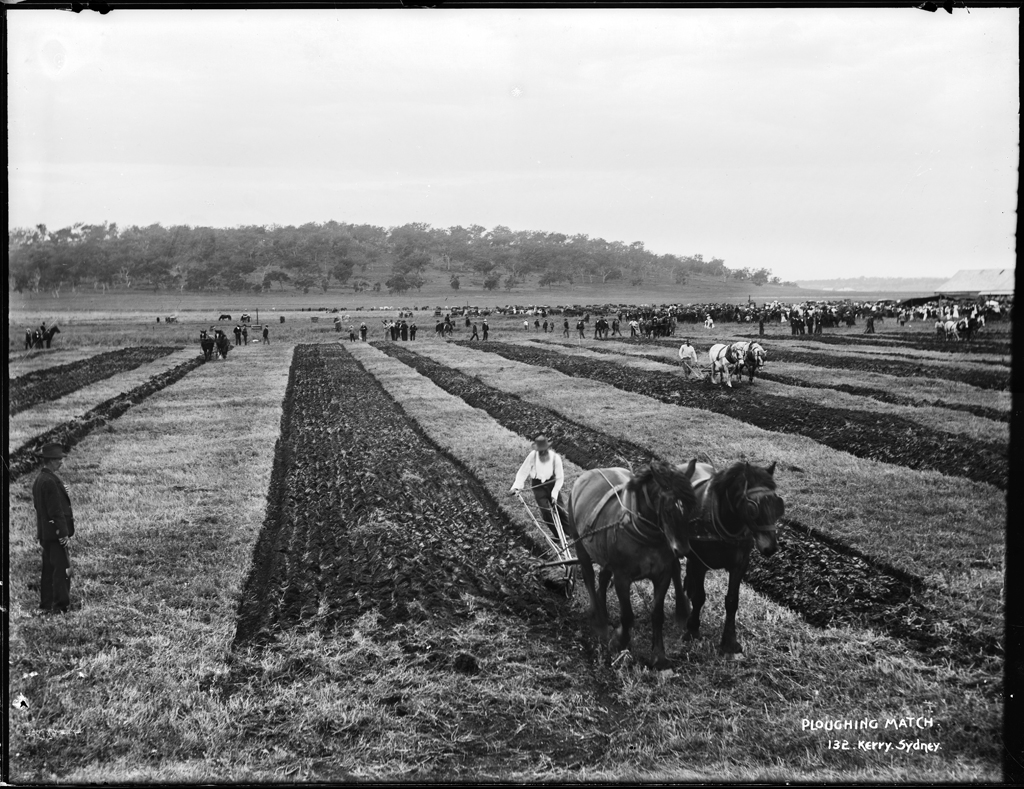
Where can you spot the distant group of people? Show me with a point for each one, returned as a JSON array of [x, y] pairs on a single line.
[[398, 330], [476, 334]]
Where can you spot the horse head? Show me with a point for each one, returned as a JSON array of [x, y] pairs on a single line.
[[748, 498], [754, 358], [674, 500]]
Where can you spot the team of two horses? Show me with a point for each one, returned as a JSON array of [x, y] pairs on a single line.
[[959, 329], [642, 525], [732, 360], [219, 343]]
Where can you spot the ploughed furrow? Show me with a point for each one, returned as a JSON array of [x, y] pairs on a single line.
[[880, 395], [998, 379], [365, 514], [55, 382], [881, 437], [814, 574], [69, 433], [988, 343]]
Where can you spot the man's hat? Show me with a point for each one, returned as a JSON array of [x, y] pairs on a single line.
[[51, 452]]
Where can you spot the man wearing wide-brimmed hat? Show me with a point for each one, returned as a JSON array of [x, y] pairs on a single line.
[[543, 467], [55, 525]]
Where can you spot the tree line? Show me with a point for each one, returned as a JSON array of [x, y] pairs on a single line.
[[259, 258]]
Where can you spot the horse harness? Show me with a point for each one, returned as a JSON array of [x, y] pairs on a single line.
[[632, 527]]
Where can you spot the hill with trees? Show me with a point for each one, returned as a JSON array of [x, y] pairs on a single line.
[[339, 256]]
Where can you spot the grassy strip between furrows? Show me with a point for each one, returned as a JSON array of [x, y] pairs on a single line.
[[984, 376], [918, 336], [943, 354], [928, 524], [712, 719], [992, 345], [883, 437], [776, 381], [940, 392], [55, 382], [48, 414], [167, 504], [31, 361], [24, 459]]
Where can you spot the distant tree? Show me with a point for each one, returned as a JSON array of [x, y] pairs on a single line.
[[492, 281], [397, 283], [510, 282], [454, 282]]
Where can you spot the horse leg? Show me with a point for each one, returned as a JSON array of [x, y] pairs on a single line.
[[694, 588], [620, 638], [601, 619], [730, 646], [683, 607], [658, 620], [598, 610]]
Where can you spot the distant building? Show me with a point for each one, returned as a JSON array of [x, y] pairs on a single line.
[[972, 283]]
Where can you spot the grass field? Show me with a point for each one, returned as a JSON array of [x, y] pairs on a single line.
[[408, 633]]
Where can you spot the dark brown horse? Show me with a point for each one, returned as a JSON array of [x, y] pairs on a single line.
[[206, 342], [633, 526], [737, 509]]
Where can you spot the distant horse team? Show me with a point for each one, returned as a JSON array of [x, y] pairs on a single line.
[[730, 361], [41, 337], [217, 343], [960, 328]]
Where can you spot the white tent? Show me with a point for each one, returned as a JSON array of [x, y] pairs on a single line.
[[979, 282]]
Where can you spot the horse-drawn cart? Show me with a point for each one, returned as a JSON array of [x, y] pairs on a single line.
[[561, 550]]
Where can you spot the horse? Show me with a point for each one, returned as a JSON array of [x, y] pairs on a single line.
[[752, 359], [633, 526], [41, 338], [207, 344], [223, 346], [951, 329], [726, 360], [737, 508], [224, 317]]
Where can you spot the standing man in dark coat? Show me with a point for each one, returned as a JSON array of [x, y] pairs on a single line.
[[55, 525], [238, 334]]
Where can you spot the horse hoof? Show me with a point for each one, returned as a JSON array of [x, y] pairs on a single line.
[[734, 656]]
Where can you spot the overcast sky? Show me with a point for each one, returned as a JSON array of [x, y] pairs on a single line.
[[816, 143]]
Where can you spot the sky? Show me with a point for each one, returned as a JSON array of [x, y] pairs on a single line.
[[814, 142]]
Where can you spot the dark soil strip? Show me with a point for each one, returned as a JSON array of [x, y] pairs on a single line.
[[55, 382], [860, 391], [365, 512], [882, 437], [68, 434], [983, 379], [815, 574]]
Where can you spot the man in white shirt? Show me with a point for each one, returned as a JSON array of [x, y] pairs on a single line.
[[543, 467], [688, 356]]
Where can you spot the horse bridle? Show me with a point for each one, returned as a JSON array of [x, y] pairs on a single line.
[[724, 534]]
